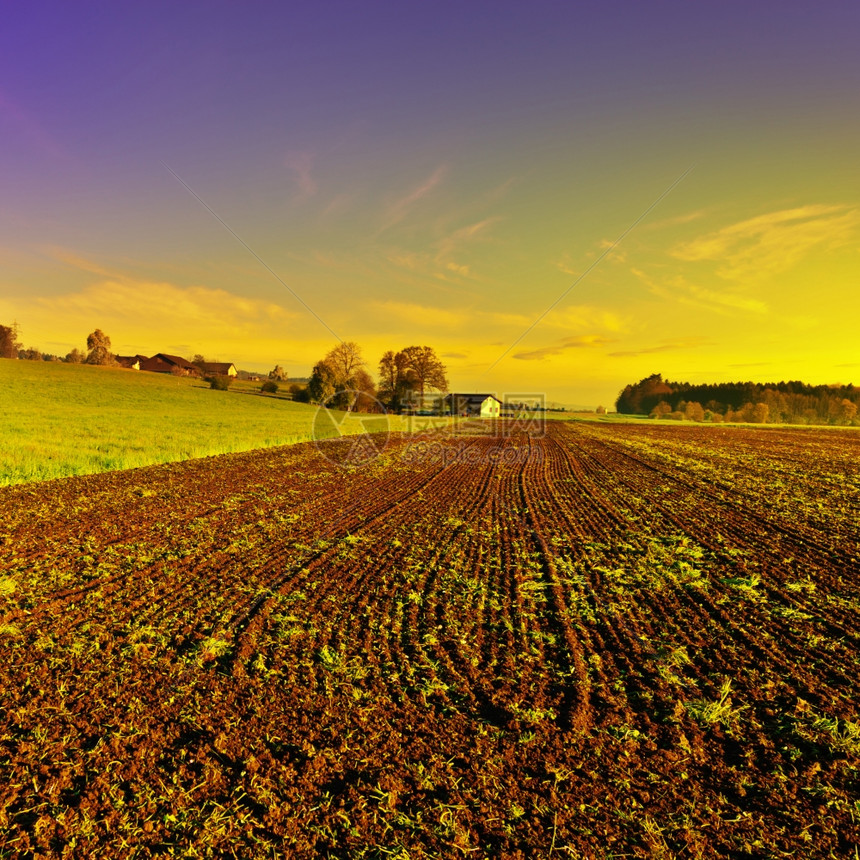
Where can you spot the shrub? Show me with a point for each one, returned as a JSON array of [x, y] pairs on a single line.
[[300, 393], [219, 383], [661, 410], [269, 387]]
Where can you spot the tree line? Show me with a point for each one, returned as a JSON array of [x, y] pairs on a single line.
[[98, 349], [791, 402]]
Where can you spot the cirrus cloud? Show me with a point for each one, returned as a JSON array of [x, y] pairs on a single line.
[[680, 344], [400, 208], [585, 341], [147, 316], [198, 308], [768, 244]]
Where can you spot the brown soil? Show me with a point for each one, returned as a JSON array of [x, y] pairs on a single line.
[[598, 641]]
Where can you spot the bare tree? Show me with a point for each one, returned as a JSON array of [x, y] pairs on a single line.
[[426, 369], [345, 360], [389, 374], [396, 379]]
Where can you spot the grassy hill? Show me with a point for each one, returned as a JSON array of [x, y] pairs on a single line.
[[66, 419]]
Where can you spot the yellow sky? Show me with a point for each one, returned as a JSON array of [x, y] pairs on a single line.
[[772, 295]]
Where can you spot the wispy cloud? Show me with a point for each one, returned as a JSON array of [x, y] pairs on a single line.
[[586, 341], [337, 261], [445, 258], [338, 204], [500, 318], [449, 244], [589, 318], [716, 299], [208, 312], [406, 260], [446, 318], [401, 207], [681, 344], [570, 266], [619, 254], [301, 164], [414, 313], [678, 288], [768, 244], [675, 221], [142, 315], [84, 264]]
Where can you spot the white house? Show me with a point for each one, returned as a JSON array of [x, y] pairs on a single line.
[[473, 405]]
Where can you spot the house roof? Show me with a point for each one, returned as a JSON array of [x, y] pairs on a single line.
[[472, 399], [219, 367], [176, 361], [128, 360], [156, 365]]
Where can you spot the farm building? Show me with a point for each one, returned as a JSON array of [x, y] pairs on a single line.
[[473, 405], [218, 368], [131, 361], [163, 363]]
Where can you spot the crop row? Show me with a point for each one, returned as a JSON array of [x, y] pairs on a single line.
[[597, 639]]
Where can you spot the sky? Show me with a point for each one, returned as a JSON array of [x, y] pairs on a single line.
[[560, 197]]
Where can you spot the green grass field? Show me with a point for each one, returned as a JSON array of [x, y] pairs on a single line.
[[66, 419]]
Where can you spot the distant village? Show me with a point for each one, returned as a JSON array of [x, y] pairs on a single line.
[[161, 362], [472, 405], [412, 381]]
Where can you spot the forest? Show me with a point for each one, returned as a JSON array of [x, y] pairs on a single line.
[[759, 403]]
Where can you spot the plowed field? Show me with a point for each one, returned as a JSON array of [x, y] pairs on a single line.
[[598, 641]]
